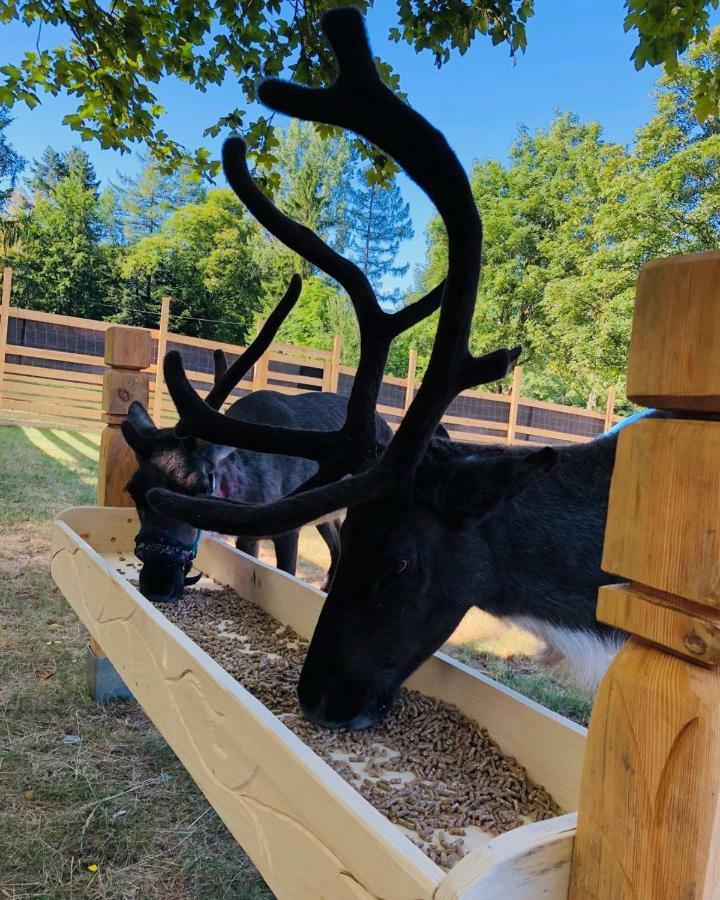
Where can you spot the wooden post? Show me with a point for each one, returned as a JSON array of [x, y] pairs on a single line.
[[127, 351], [4, 322], [335, 364], [610, 408], [649, 820], [260, 369], [410, 380], [162, 344], [514, 403]]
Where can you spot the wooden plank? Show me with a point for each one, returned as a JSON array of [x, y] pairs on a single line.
[[34, 315], [60, 355], [17, 419], [609, 408], [4, 322], [524, 864], [57, 411], [468, 437], [55, 390], [692, 632], [549, 746], [475, 423], [309, 833], [673, 362], [296, 350], [483, 395], [42, 373], [559, 407], [555, 435], [310, 380], [662, 528]]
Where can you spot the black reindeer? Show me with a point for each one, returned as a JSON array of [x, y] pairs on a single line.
[[196, 468], [433, 527]]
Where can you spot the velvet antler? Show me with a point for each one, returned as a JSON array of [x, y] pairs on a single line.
[[359, 101]]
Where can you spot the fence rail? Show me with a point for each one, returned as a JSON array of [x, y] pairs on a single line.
[[51, 369]]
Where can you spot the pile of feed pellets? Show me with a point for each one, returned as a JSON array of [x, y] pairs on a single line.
[[428, 768]]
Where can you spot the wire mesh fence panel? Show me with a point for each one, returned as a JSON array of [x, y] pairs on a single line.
[[52, 370]]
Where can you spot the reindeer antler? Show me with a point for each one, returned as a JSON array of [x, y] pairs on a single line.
[[225, 379], [359, 101]]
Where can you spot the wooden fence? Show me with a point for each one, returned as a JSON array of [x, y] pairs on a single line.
[[51, 370]]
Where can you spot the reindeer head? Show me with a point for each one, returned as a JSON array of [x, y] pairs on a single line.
[[186, 465], [391, 603]]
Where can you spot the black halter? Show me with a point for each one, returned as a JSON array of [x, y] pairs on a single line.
[[159, 547]]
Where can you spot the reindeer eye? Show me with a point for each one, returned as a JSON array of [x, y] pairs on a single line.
[[399, 566]]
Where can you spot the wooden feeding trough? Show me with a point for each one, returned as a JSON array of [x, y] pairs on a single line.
[[307, 830], [648, 823]]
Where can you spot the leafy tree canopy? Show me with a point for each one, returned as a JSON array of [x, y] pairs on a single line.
[[111, 57]]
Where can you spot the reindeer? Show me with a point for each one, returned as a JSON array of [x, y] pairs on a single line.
[[194, 467], [433, 527]]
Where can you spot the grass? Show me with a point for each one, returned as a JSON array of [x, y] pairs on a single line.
[[93, 803]]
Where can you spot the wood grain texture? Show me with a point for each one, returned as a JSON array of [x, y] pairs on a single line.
[[127, 348], [649, 825], [663, 525], [309, 833], [692, 631], [674, 363], [530, 862], [549, 746]]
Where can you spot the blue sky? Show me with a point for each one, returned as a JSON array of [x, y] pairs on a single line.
[[577, 60]]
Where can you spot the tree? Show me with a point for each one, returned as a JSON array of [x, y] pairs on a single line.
[[47, 172], [202, 257], [148, 198], [61, 261], [312, 178], [11, 164], [381, 222], [569, 222], [112, 57]]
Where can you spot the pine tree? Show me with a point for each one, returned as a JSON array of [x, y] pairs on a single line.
[[47, 172], [381, 222], [11, 165], [148, 198]]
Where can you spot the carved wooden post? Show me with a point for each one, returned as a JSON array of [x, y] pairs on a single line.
[[649, 822], [127, 351], [514, 403], [262, 366]]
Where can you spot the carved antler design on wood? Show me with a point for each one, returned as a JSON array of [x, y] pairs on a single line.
[[360, 102]]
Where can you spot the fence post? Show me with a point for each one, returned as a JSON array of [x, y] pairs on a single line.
[[514, 403], [410, 379], [649, 818], [260, 369], [610, 408], [162, 344], [4, 322], [127, 351], [335, 364]]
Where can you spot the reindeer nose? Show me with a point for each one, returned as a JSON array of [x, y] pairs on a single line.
[[314, 712]]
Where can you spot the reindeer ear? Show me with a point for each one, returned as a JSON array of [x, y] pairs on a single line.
[[475, 486], [137, 428]]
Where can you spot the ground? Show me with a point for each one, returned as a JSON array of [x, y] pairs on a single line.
[[94, 803]]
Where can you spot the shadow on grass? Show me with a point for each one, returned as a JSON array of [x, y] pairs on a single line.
[[42, 474]]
